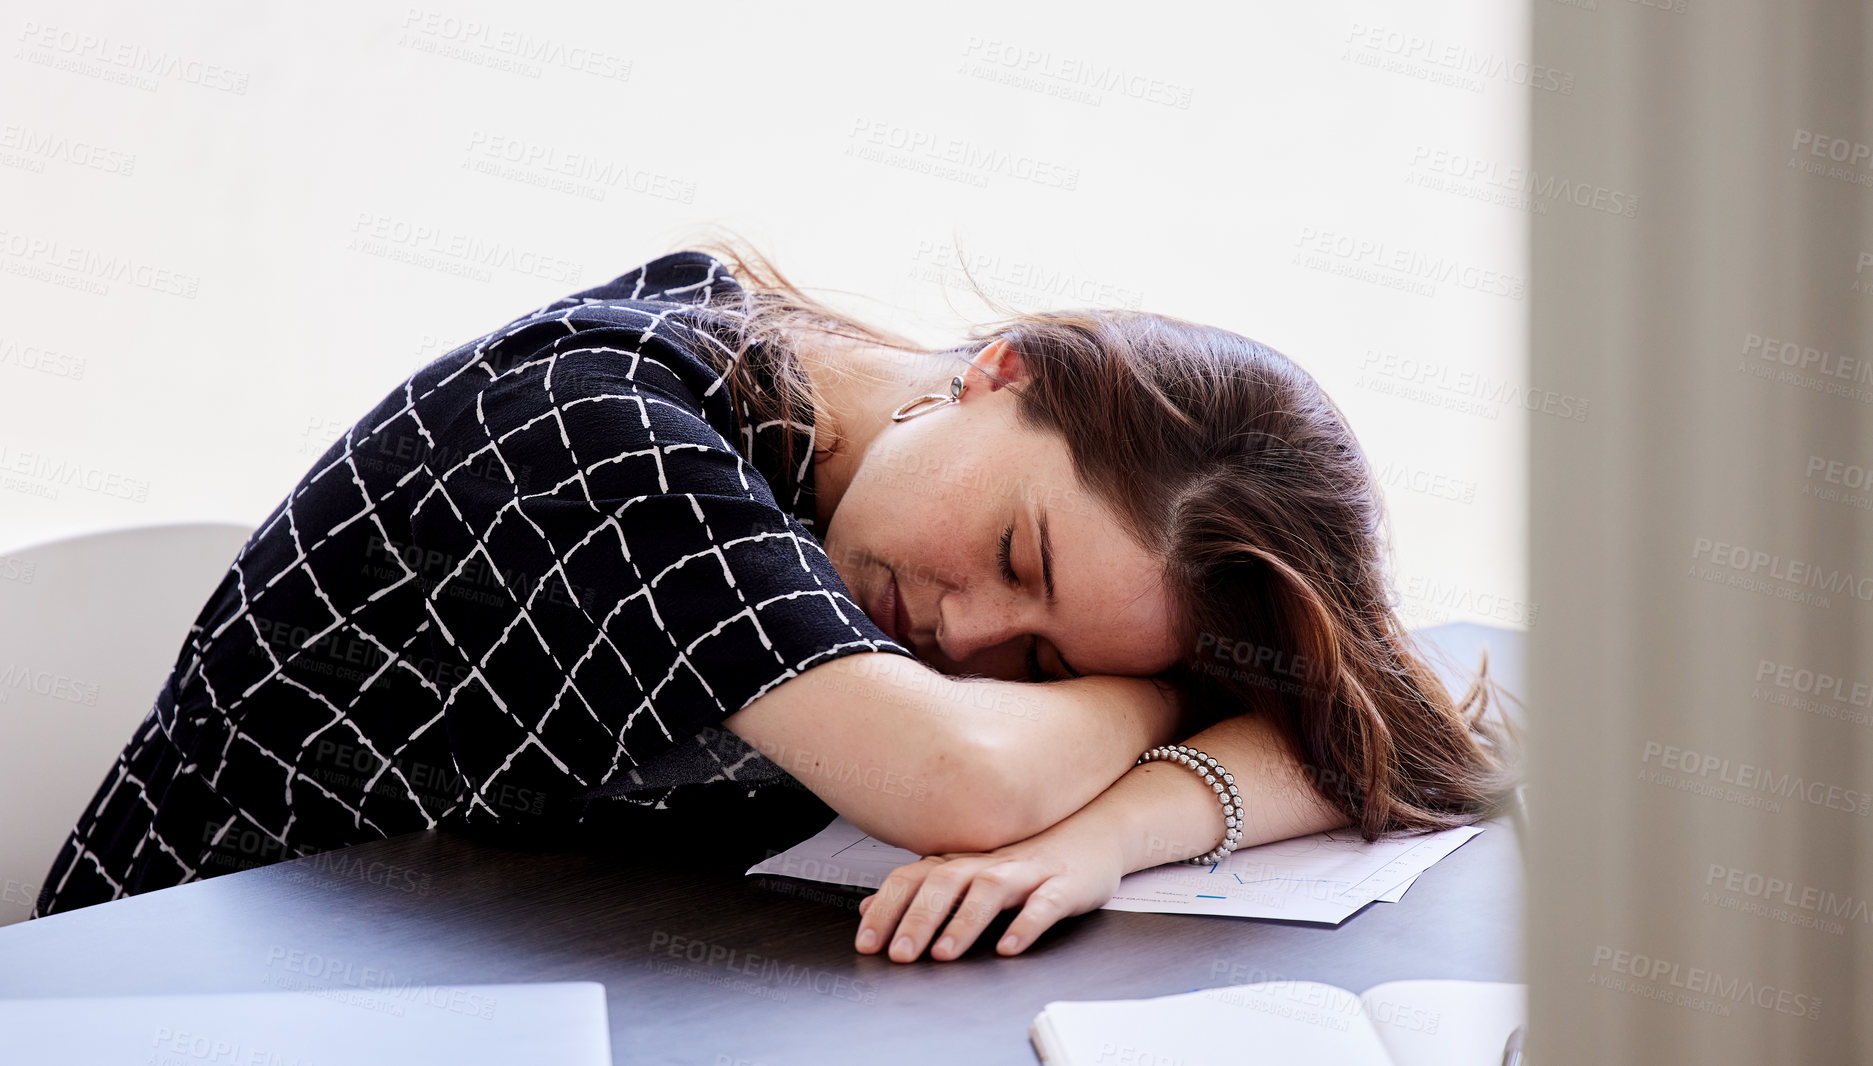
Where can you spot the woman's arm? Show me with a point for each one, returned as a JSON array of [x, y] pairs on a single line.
[[1156, 813], [934, 763], [1162, 812]]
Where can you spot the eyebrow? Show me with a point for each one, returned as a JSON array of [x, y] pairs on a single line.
[[1047, 555], [1040, 523], [1047, 578]]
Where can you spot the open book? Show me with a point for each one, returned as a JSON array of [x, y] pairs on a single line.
[[1401, 1023]]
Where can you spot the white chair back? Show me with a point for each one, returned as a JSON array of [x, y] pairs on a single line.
[[89, 628]]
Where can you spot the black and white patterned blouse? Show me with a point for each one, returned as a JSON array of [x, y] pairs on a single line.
[[520, 594]]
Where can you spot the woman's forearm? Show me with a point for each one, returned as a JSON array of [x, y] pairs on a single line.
[[1161, 812], [1156, 813], [936, 763], [1057, 746]]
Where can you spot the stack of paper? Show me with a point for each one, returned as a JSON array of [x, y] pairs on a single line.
[[1326, 877]]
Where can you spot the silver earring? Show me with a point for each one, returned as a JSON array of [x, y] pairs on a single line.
[[929, 401]]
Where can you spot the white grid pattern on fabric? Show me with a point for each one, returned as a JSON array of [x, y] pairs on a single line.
[[537, 567]]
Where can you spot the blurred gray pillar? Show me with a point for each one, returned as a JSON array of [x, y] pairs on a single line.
[[1701, 674]]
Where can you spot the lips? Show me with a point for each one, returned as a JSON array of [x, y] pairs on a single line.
[[889, 613], [900, 614]]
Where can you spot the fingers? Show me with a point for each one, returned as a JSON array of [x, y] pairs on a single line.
[[941, 888], [916, 899], [1046, 905], [882, 909], [992, 891]]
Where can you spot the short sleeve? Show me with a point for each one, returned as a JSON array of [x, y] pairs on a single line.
[[607, 575]]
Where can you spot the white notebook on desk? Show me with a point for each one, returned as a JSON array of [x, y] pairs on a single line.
[[559, 1022], [1401, 1023]]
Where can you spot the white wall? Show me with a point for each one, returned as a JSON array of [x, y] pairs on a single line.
[[227, 230]]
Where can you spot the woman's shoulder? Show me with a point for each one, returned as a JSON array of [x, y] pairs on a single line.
[[661, 312], [645, 342], [608, 356], [668, 304], [687, 276]]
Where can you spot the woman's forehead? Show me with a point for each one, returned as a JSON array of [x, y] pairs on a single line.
[[1113, 608]]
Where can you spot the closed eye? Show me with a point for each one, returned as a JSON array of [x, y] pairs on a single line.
[[1003, 551]]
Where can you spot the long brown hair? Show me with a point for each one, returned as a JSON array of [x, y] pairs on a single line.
[[1231, 465]]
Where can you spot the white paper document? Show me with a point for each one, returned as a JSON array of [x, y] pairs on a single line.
[[1326, 877]]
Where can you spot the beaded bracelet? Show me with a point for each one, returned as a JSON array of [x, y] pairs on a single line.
[[1219, 780]]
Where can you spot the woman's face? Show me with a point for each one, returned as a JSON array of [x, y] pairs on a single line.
[[931, 505]]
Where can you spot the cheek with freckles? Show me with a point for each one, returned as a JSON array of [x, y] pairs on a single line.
[[922, 528], [928, 501]]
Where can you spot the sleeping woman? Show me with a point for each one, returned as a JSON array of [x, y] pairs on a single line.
[[692, 549]]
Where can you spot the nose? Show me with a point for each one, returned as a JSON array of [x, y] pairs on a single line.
[[982, 635]]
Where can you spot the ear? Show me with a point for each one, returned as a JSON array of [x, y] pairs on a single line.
[[997, 364]]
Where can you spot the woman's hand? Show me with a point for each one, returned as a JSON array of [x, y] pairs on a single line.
[[1060, 872]]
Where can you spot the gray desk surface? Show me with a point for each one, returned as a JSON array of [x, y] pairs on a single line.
[[708, 966]]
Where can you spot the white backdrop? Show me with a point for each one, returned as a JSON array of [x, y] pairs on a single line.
[[227, 230]]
